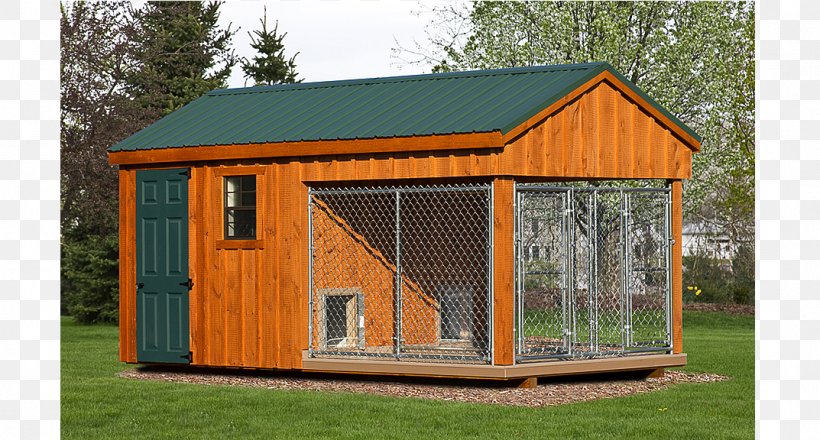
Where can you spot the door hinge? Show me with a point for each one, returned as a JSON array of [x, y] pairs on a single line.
[[189, 284], [189, 356], [186, 173]]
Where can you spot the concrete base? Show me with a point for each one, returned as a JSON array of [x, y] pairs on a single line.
[[530, 370]]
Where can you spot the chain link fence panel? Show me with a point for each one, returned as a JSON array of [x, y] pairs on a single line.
[[649, 279], [593, 271], [401, 272], [542, 312]]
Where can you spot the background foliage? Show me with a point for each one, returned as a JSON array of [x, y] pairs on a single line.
[[695, 58]]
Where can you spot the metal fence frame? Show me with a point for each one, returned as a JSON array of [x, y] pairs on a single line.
[[399, 351], [568, 277]]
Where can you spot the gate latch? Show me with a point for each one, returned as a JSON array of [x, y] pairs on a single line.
[[189, 284]]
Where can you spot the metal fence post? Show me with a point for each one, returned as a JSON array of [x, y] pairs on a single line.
[[491, 276], [624, 273], [310, 272], [518, 325], [669, 240], [627, 271], [593, 291], [566, 218], [572, 336], [398, 274], [518, 328]]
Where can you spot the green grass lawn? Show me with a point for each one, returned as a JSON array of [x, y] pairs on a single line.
[[646, 324], [98, 404]]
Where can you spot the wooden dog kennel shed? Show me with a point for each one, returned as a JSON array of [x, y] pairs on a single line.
[[501, 224]]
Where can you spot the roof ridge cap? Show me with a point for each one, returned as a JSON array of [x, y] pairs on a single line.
[[402, 78]]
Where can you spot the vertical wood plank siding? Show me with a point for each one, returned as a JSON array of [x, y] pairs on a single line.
[[249, 306], [600, 135]]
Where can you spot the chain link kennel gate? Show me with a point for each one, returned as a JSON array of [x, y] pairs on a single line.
[[401, 272], [592, 271]]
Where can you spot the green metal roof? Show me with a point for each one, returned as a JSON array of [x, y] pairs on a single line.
[[442, 103]]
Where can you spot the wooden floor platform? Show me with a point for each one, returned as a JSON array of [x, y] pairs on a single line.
[[502, 372]]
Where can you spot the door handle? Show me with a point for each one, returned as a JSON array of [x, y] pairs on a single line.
[[189, 284], [140, 285]]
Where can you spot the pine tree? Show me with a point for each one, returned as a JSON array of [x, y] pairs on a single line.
[[270, 66], [182, 53]]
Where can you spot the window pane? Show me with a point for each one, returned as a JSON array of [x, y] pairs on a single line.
[[232, 200], [248, 199], [248, 183], [241, 223], [230, 223], [246, 223], [232, 184]]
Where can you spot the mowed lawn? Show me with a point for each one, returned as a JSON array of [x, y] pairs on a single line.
[[98, 404]]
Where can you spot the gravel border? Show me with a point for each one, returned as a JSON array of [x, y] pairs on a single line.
[[547, 393]]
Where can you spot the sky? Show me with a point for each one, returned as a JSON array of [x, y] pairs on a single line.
[[336, 39]]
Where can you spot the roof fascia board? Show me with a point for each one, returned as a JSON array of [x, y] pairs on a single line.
[[455, 141]]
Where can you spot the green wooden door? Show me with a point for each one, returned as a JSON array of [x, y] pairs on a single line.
[[162, 266]]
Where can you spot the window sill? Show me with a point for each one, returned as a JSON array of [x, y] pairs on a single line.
[[240, 244]]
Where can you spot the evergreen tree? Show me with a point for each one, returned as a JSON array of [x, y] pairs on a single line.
[[270, 66], [121, 69], [89, 275], [181, 53]]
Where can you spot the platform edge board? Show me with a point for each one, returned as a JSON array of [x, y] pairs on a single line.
[[471, 371]]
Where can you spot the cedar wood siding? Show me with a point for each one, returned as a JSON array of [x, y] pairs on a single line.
[[249, 303]]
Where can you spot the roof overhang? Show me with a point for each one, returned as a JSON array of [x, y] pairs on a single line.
[[455, 141]]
